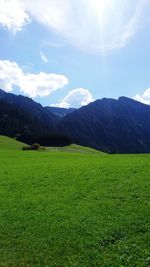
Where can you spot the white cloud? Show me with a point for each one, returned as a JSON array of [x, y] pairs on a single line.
[[137, 21], [43, 57], [92, 25], [13, 15], [41, 84], [75, 98], [145, 98]]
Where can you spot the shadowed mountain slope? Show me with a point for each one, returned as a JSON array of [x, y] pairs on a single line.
[[28, 121], [113, 126]]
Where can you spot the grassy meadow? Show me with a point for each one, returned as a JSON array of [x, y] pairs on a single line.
[[73, 207]]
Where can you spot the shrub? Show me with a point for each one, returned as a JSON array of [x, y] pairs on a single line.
[[32, 147], [35, 146]]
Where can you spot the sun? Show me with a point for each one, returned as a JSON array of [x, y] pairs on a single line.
[[101, 5], [103, 11]]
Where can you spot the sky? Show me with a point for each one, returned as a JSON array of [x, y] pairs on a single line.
[[68, 53]]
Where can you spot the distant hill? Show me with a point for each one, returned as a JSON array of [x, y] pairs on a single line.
[[113, 126], [73, 148], [7, 143], [61, 112]]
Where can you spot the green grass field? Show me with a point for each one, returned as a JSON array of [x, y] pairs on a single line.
[[66, 208]]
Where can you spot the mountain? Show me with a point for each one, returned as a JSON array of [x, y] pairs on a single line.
[[113, 126], [26, 104], [109, 125], [61, 112], [27, 121]]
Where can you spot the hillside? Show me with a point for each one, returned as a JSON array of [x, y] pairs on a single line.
[[113, 126], [7, 143], [76, 149]]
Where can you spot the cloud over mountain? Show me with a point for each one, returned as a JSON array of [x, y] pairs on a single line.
[[76, 98], [144, 98]]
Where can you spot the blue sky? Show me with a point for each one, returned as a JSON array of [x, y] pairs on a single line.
[[71, 52]]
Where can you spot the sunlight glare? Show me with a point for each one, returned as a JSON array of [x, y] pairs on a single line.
[[103, 13], [101, 6]]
